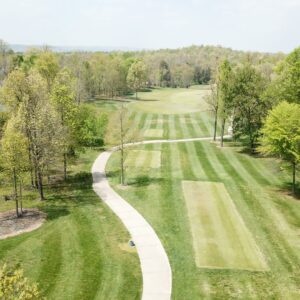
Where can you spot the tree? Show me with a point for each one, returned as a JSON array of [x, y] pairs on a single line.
[[287, 84], [4, 59], [47, 65], [137, 76], [213, 102], [41, 125], [120, 132], [202, 75], [164, 74], [225, 76], [14, 90], [281, 135], [63, 98], [89, 127], [250, 108], [14, 156], [13, 285]]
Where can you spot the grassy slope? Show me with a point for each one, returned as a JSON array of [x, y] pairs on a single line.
[[76, 254], [253, 184]]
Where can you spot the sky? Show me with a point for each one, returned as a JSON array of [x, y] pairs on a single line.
[[257, 25]]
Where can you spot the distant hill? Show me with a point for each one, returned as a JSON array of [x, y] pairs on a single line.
[[23, 48]]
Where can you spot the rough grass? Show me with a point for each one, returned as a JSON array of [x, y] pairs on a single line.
[[220, 237], [76, 254], [142, 158]]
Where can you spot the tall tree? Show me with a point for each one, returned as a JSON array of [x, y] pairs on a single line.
[[281, 135], [14, 90], [41, 126], [213, 102], [250, 108], [225, 77], [164, 74], [47, 65], [137, 76], [63, 98], [120, 132], [287, 84], [14, 157]]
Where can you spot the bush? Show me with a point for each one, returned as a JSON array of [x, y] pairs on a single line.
[[14, 286]]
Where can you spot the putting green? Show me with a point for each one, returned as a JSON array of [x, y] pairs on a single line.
[[172, 101], [220, 236], [143, 159], [153, 133]]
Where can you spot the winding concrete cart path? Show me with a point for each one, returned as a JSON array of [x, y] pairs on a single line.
[[156, 270]]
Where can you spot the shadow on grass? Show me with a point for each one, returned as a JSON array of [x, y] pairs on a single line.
[[62, 197], [144, 180], [287, 189]]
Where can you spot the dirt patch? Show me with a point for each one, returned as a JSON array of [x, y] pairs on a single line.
[[10, 225]]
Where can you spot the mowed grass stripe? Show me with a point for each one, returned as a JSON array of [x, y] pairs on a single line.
[[69, 276], [223, 241], [217, 170], [172, 129], [51, 256], [175, 228], [190, 148], [142, 121], [280, 222], [274, 244]]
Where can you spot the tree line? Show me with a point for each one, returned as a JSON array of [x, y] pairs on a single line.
[[43, 124], [263, 111], [109, 75]]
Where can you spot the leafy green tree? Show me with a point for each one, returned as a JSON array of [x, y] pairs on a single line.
[[225, 78], [213, 102], [47, 65], [281, 135], [120, 132], [89, 127], [137, 76], [287, 84], [164, 74], [4, 59], [250, 108], [13, 286], [63, 98], [41, 125], [14, 90], [14, 156]]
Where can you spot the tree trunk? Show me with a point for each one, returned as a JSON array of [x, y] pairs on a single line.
[[136, 94], [21, 197], [65, 166], [16, 192], [122, 147], [215, 126], [40, 185], [294, 179], [222, 132]]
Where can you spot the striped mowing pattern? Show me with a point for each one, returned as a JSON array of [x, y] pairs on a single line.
[[250, 184]]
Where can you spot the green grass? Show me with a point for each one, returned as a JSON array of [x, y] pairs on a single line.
[[144, 159], [77, 253], [254, 186], [171, 101], [220, 237]]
